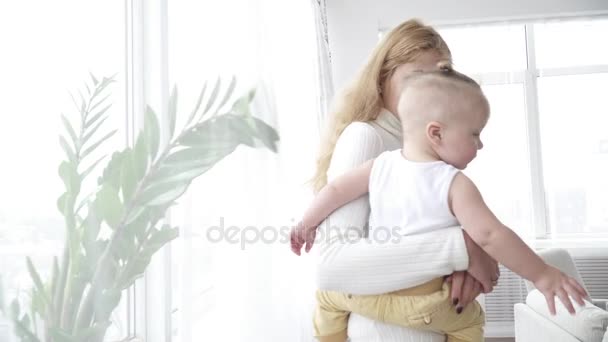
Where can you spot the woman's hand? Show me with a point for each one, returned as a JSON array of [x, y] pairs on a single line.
[[465, 289], [481, 266]]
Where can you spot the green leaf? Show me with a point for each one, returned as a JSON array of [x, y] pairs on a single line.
[[199, 156], [95, 81], [37, 281], [67, 149], [241, 128], [162, 194], [15, 310], [74, 101], [96, 116], [37, 303], [85, 201], [134, 214], [107, 302], [172, 111], [93, 130], [86, 172], [22, 330], [137, 267], [83, 103], [108, 205], [241, 106], [222, 130], [99, 142], [213, 96], [128, 178], [98, 103], [91, 227], [180, 173], [69, 129], [198, 104], [152, 132], [70, 177], [61, 202], [104, 83], [26, 321], [93, 333], [228, 93], [123, 245], [60, 335], [55, 275], [251, 95], [211, 137], [111, 174], [266, 134], [159, 238], [140, 156]]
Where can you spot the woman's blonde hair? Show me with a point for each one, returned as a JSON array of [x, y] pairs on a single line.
[[362, 101]]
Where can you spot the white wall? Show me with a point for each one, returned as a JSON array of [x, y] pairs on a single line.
[[354, 24]]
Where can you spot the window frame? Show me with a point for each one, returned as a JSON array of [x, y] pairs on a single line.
[[529, 79]]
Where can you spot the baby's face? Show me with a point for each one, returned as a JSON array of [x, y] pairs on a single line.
[[461, 136]]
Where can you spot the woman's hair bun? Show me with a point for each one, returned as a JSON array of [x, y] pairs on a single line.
[[445, 66]]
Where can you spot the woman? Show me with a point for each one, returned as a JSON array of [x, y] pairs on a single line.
[[362, 127]]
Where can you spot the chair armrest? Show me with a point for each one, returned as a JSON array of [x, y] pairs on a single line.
[[600, 303], [588, 324], [530, 326]]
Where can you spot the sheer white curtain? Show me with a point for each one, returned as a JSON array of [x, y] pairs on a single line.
[[233, 277], [326, 86], [48, 50]]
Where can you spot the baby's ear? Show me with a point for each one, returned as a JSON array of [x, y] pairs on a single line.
[[433, 132]]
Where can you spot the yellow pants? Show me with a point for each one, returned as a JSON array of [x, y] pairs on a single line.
[[425, 307]]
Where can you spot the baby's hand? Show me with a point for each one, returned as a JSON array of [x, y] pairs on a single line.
[[300, 236], [552, 282]]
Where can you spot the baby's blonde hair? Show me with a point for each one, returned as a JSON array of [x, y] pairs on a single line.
[[363, 100], [433, 89]]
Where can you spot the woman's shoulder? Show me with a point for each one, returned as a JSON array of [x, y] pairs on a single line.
[[360, 132], [358, 143]]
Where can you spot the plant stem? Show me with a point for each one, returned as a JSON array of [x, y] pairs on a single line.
[[59, 290]]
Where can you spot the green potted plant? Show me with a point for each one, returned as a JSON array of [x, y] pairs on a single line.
[[131, 197]]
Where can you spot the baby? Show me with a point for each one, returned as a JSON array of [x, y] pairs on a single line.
[[420, 188]]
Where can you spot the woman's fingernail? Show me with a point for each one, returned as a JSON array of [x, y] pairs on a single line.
[[455, 301], [459, 310]]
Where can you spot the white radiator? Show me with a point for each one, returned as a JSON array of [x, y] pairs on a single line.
[[498, 305]]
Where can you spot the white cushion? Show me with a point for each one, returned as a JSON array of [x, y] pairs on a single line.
[[362, 329], [530, 326], [588, 324]]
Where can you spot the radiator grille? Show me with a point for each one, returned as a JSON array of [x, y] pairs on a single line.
[[511, 288]]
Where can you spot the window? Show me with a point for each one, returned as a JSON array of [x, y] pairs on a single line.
[[48, 53], [246, 191], [545, 154]]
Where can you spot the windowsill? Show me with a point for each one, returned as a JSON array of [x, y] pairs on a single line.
[[574, 242]]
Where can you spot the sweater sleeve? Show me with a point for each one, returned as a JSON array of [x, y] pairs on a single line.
[[347, 261]]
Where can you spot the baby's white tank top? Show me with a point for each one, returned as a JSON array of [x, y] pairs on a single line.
[[409, 197]]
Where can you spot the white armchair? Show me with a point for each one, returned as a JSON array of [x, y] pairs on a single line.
[[533, 322]]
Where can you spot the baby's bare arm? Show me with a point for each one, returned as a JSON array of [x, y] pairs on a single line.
[[506, 247], [337, 193], [489, 233]]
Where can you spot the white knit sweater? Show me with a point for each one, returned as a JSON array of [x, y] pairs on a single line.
[[348, 264]]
